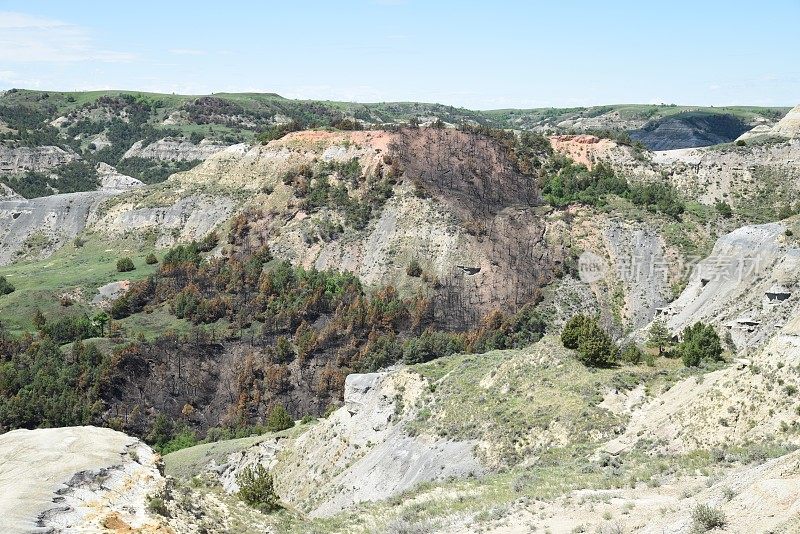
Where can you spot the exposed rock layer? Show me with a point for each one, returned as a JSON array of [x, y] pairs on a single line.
[[170, 149], [75, 479], [38, 159]]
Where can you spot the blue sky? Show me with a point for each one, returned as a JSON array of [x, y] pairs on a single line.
[[480, 55]]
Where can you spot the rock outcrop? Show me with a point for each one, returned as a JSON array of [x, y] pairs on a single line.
[[112, 180], [638, 262], [611, 120], [764, 497], [741, 175], [590, 150], [789, 125], [40, 226], [254, 166], [172, 149], [475, 209], [14, 160], [359, 453], [6, 193], [748, 286], [181, 218], [77, 479], [584, 149], [689, 129]]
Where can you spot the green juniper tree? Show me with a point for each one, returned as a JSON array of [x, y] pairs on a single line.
[[700, 343]]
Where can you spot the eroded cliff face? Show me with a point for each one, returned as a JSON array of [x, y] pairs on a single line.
[[113, 180], [174, 149], [360, 453], [611, 120], [252, 167], [15, 160], [37, 227], [505, 259], [740, 175], [788, 127], [171, 219], [689, 129], [6, 193], [635, 264], [747, 287], [458, 206], [223, 381], [755, 175], [78, 479]]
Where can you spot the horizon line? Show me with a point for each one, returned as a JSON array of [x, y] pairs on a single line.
[[272, 93]]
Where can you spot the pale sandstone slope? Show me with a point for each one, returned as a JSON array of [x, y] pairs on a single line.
[[76, 479], [174, 149], [789, 125], [359, 453], [15, 160], [748, 286]]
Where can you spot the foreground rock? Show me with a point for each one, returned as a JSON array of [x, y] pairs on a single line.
[[759, 498], [360, 453], [77, 479]]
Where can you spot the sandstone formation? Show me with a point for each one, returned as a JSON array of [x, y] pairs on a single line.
[[6, 193], [40, 226], [787, 128], [14, 160], [172, 149], [602, 121], [748, 286], [77, 479], [360, 453], [113, 180], [789, 125]]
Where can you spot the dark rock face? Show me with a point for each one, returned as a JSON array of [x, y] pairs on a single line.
[[515, 263], [225, 382], [473, 174], [477, 180], [689, 130]]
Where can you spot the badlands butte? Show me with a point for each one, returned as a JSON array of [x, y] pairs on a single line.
[[244, 313]]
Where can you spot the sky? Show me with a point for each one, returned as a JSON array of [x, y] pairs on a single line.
[[480, 55]]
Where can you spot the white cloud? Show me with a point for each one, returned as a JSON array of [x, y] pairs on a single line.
[[9, 78], [27, 38]]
